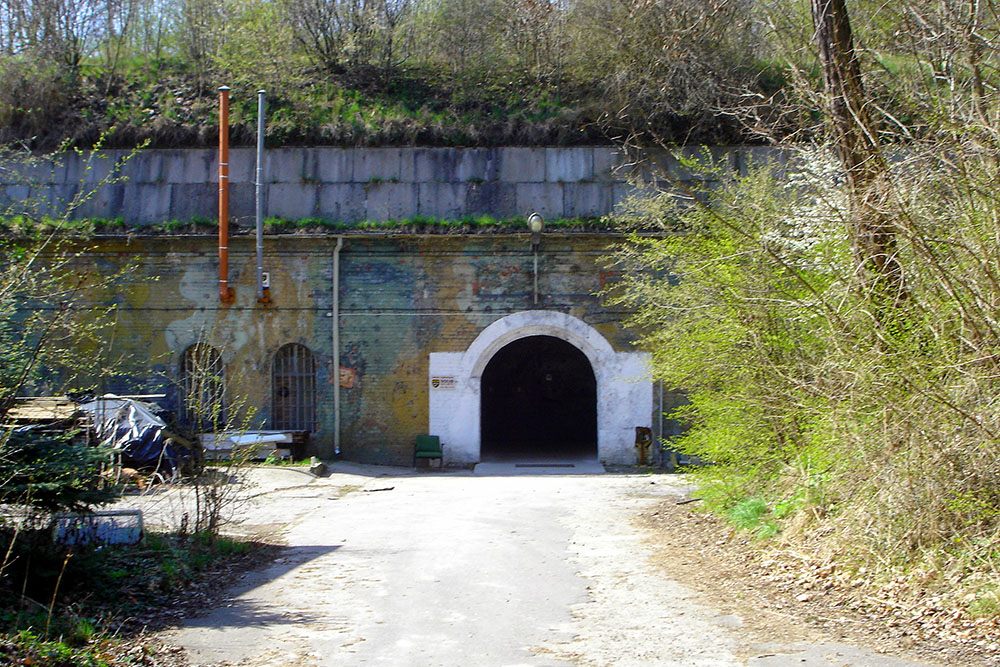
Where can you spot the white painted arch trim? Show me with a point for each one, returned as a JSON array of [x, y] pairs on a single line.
[[624, 385]]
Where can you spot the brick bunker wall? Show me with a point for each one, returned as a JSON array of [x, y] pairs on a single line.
[[401, 299]]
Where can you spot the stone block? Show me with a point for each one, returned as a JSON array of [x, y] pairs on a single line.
[[284, 165], [608, 163], [546, 199], [190, 200], [456, 165], [243, 203], [333, 165], [342, 202], [18, 195], [22, 173], [292, 201], [622, 192], [106, 202], [379, 165], [192, 165], [441, 200], [243, 166], [478, 165], [407, 165], [145, 167], [145, 203], [391, 201], [56, 199], [98, 166], [756, 156], [691, 163], [523, 165], [435, 165], [569, 165], [587, 200], [492, 198], [68, 168]]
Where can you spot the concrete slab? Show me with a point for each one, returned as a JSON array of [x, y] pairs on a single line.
[[587, 200], [495, 199], [332, 165], [546, 199], [343, 202], [569, 165], [442, 200], [523, 165], [284, 165], [291, 201], [391, 201]]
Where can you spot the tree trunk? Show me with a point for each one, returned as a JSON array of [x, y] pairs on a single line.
[[873, 234]]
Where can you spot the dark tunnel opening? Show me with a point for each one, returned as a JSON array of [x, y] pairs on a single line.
[[539, 400]]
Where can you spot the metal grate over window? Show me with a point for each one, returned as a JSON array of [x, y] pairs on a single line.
[[293, 383], [202, 387]]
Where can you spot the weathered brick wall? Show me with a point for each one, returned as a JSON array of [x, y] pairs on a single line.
[[401, 299]]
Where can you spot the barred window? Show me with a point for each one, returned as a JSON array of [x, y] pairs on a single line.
[[202, 388], [293, 387]]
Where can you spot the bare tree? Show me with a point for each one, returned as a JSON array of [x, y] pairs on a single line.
[[351, 33], [872, 231]]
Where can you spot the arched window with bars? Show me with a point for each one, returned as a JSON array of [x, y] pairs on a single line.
[[293, 389], [203, 382]]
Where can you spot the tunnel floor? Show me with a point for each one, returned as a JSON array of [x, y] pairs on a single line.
[[539, 401]]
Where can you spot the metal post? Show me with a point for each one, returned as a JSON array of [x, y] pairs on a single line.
[[262, 293], [534, 247], [336, 344]]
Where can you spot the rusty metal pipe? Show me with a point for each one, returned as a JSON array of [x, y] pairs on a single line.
[[225, 291]]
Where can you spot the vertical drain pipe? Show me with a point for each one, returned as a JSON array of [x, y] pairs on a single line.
[[336, 344], [263, 291], [225, 291]]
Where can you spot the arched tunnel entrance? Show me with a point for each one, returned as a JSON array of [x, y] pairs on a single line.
[[539, 400]]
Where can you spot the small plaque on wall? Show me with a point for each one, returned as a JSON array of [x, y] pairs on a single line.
[[443, 382]]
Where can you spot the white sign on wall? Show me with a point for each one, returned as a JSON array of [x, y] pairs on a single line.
[[443, 382]]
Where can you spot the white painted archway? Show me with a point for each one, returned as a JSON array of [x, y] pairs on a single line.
[[624, 387]]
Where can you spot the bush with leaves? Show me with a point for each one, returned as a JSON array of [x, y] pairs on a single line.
[[872, 432], [52, 472]]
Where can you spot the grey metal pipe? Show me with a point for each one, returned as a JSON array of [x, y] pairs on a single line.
[[259, 196], [336, 344], [534, 273]]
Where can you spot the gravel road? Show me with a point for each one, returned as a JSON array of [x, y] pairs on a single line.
[[391, 567]]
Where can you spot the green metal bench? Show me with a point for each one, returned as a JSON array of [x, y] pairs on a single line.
[[428, 447]]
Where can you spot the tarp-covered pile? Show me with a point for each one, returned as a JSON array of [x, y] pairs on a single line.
[[133, 428]]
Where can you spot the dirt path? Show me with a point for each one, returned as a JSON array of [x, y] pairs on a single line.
[[457, 569]]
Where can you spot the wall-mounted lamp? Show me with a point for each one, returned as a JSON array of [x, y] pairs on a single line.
[[535, 223]]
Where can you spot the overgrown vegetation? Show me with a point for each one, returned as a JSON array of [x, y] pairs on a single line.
[[76, 606], [65, 605], [870, 434], [833, 318], [19, 226], [356, 72]]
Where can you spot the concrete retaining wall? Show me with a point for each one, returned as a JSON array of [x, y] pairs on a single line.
[[345, 185]]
